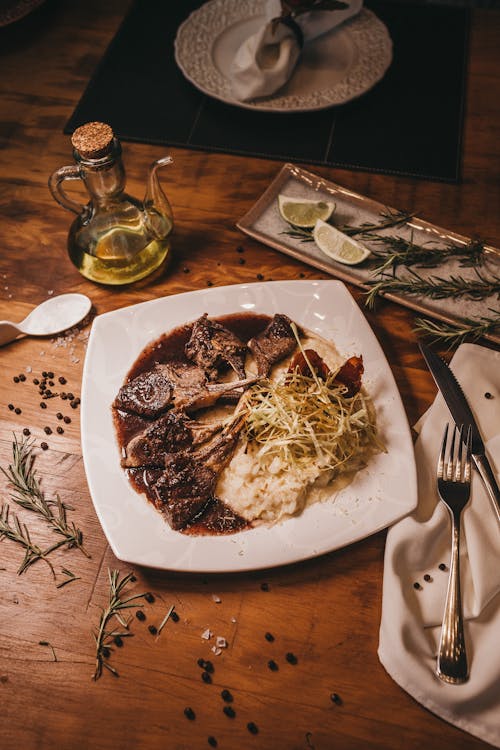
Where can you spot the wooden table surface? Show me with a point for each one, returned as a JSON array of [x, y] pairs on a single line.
[[326, 611]]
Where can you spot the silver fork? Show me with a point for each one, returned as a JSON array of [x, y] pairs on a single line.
[[454, 489]]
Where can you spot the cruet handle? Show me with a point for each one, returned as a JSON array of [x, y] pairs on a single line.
[[55, 185]]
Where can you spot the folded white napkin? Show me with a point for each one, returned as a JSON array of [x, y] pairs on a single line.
[[417, 545], [265, 61]]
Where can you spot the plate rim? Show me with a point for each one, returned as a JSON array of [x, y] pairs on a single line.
[[263, 104], [243, 566]]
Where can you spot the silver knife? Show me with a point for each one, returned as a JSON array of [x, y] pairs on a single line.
[[462, 415]]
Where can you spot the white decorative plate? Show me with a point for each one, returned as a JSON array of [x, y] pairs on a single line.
[[382, 493], [333, 69]]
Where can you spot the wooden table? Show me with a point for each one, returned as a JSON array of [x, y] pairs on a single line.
[[326, 611]]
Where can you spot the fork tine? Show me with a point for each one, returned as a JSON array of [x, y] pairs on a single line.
[[440, 469], [459, 468], [467, 469], [451, 457]]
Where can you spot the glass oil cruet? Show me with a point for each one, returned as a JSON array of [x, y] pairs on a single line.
[[115, 239]]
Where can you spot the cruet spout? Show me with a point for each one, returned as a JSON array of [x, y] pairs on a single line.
[[156, 205]]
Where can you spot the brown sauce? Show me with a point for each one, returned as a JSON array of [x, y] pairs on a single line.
[[216, 517]]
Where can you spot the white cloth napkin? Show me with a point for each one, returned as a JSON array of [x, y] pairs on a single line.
[[417, 545], [265, 61]]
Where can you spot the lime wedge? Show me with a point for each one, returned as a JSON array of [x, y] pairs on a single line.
[[337, 245], [304, 213]]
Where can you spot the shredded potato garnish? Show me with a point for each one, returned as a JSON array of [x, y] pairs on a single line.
[[302, 419]]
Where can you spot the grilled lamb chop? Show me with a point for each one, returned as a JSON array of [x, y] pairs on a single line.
[[171, 433], [272, 345], [175, 384], [211, 346], [189, 479]]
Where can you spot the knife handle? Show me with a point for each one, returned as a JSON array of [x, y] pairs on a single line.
[[489, 481]]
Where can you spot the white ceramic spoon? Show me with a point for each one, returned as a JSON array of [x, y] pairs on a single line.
[[52, 316]]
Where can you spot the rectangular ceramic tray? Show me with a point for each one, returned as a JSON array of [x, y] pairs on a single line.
[[264, 223]]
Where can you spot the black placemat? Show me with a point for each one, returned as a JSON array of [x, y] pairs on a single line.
[[408, 124]]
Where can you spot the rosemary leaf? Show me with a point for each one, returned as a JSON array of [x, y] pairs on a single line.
[[389, 219], [103, 636], [165, 619], [468, 329]]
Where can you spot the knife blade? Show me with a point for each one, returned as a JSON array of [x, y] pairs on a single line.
[[462, 415]]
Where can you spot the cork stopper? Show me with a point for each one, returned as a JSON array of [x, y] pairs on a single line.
[[92, 140]]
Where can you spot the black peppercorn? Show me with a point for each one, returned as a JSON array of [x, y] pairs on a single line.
[[226, 696], [302, 275], [264, 587], [22, 377], [44, 374], [64, 396], [335, 698], [44, 446], [174, 616], [210, 283], [272, 665], [260, 276], [17, 410], [60, 430], [212, 741], [149, 598], [66, 420], [229, 711], [189, 714], [291, 658], [206, 677], [488, 395], [252, 728], [42, 405], [11, 407], [62, 380], [26, 432], [269, 637], [70, 396], [417, 586], [15, 379], [36, 381], [59, 415], [209, 667], [140, 615], [427, 577], [49, 374], [241, 261], [152, 629], [105, 652], [47, 430], [442, 566], [118, 641], [186, 269], [51, 383], [73, 404], [240, 249]]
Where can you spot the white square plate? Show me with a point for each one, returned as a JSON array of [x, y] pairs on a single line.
[[380, 494]]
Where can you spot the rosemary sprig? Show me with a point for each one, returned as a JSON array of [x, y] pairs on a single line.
[[435, 287], [388, 219], [399, 251], [468, 329], [27, 493], [103, 635], [18, 532]]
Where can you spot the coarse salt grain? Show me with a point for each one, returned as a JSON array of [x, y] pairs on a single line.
[[220, 642], [216, 598], [207, 634], [217, 651]]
